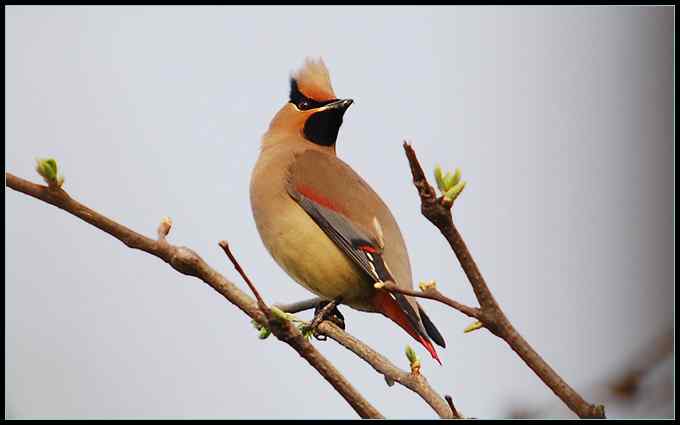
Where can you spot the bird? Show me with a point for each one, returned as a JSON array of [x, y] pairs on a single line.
[[320, 221]]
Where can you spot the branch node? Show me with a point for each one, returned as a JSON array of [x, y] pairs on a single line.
[[184, 260]]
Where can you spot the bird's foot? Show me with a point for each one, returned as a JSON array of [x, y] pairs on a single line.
[[325, 310]]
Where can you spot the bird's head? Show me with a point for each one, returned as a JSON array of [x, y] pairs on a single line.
[[313, 111]]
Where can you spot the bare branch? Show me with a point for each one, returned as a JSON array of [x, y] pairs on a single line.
[[438, 212], [190, 263], [260, 302], [416, 383], [453, 408], [433, 294], [631, 386]]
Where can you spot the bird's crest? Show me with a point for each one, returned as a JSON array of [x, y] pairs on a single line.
[[314, 81]]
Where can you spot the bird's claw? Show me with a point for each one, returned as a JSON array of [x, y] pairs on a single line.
[[325, 310]]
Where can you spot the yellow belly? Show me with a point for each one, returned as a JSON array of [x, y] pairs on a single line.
[[304, 251]]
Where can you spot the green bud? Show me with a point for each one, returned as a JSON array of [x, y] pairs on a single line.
[[473, 327], [456, 177], [448, 179], [453, 193], [305, 330], [264, 333], [281, 315], [413, 360], [411, 355], [47, 168], [426, 285], [439, 178]]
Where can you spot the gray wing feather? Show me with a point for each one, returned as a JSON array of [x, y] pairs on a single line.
[[349, 238]]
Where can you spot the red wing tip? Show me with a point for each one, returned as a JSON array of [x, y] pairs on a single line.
[[368, 248]]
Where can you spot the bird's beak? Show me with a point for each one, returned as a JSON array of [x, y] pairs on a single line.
[[339, 105]]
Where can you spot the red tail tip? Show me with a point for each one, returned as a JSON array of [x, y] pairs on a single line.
[[430, 348]]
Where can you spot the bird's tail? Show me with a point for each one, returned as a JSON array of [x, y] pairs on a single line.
[[386, 304]]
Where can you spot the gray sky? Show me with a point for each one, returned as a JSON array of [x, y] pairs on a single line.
[[561, 119]]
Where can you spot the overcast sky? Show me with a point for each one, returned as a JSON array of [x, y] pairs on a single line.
[[561, 119]]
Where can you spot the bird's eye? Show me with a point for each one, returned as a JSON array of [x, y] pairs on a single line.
[[303, 105]]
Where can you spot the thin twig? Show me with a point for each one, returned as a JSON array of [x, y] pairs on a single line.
[[491, 315], [188, 262], [260, 302], [453, 408], [433, 294]]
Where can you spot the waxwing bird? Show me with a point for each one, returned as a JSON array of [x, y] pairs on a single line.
[[320, 221]]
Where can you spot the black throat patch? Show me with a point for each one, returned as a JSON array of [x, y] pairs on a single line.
[[322, 127]]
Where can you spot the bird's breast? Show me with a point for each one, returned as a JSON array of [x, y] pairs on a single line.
[[296, 242]]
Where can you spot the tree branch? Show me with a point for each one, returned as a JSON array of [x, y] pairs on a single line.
[[433, 293], [438, 212], [453, 408], [260, 302], [416, 383], [188, 262], [379, 363]]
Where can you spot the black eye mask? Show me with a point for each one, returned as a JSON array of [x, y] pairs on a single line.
[[301, 101]]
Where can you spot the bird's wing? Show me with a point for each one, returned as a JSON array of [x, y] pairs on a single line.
[[354, 217], [327, 181], [346, 208]]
